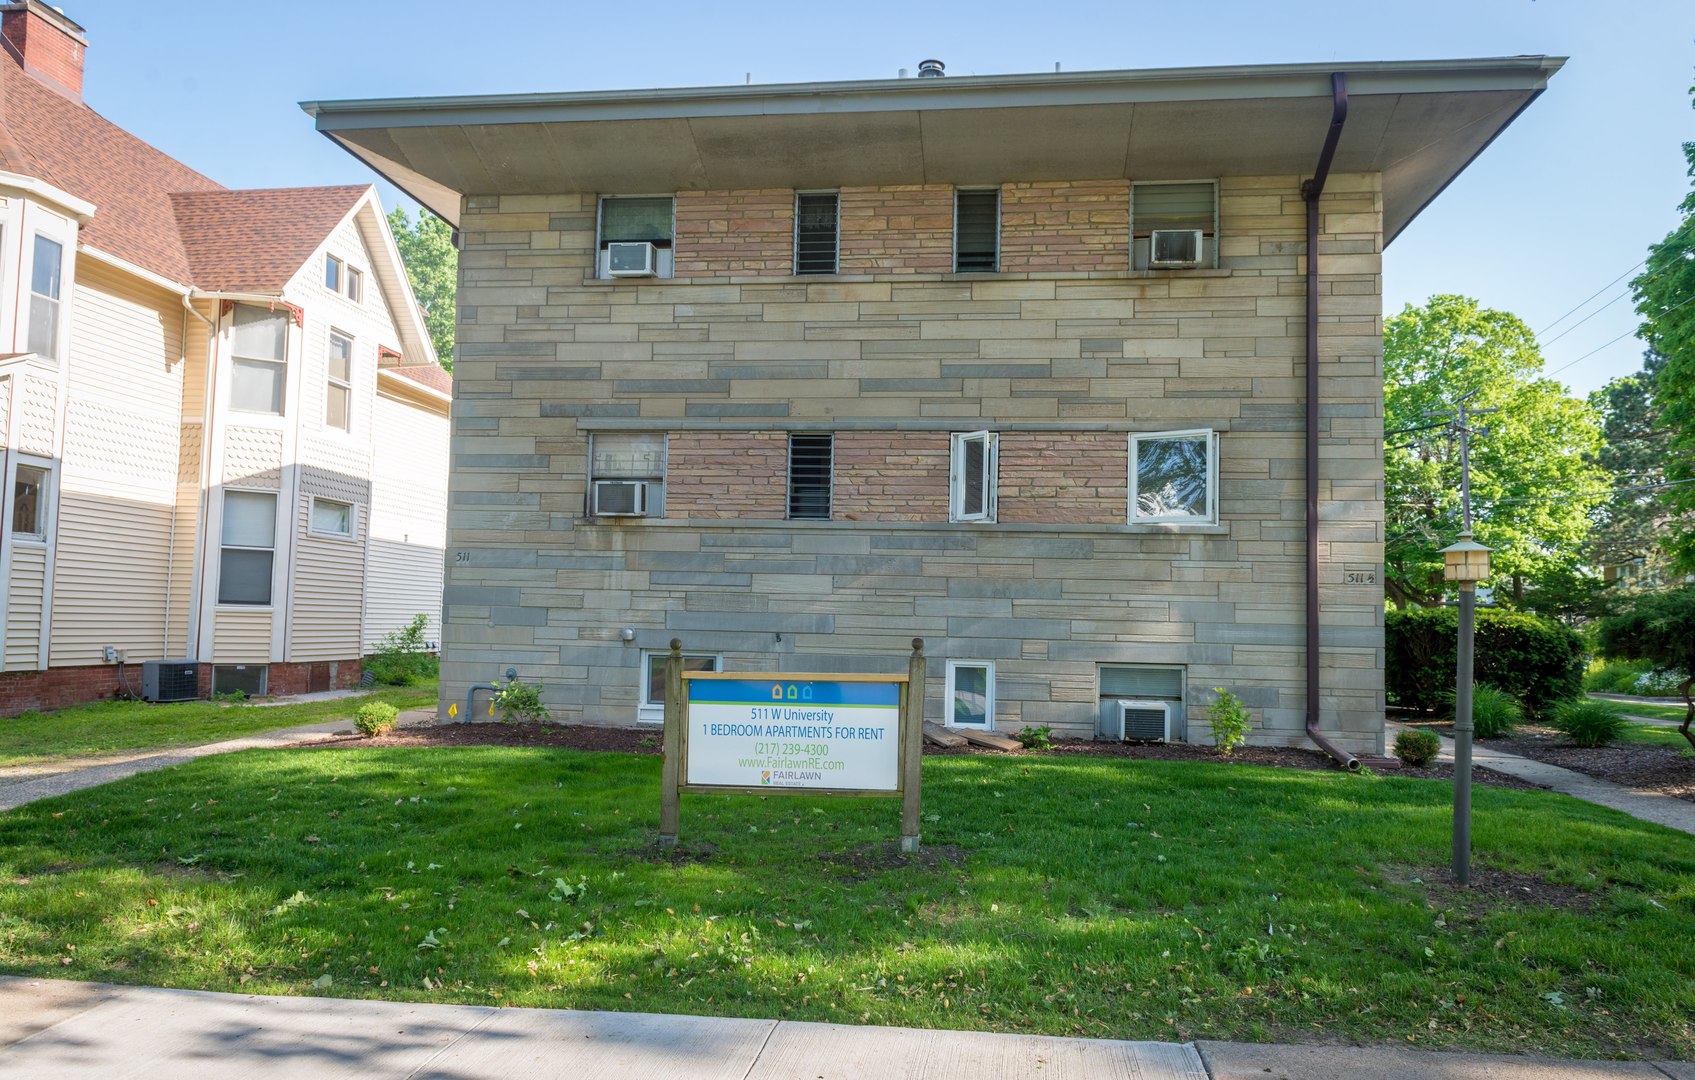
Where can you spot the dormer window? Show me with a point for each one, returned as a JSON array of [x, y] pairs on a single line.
[[344, 279]]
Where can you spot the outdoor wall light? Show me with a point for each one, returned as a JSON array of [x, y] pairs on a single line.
[[1466, 562], [627, 634]]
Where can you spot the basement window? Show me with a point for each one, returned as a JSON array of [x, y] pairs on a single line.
[[811, 460], [976, 231], [973, 477], [1142, 701], [817, 231], [971, 694], [249, 679], [652, 708], [1184, 214], [1174, 477]]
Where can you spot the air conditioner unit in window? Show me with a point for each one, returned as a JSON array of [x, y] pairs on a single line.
[[620, 498], [631, 258], [1144, 721], [1174, 248]]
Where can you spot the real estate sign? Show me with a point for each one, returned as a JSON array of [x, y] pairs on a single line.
[[821, 732]]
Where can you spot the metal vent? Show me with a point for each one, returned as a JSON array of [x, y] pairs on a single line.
[[810, 459], [1145, 721], [815, 232], [170, 680]]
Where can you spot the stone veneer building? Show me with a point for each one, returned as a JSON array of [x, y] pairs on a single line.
[[908, 366]]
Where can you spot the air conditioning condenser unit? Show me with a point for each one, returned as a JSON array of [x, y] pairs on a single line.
[[1144, 721], [170, 680]]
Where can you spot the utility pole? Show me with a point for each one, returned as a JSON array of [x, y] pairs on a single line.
[[1464, 563]]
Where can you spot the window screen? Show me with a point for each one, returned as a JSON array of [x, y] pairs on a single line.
[[247, 678], [816, 233], [810, 458], [974, 475], [1173, 206], [976, 236], [635, 219], [627, 457], [46, 278], [1137, 682]]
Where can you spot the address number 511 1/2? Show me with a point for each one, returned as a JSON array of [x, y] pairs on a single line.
[[1360, 577]]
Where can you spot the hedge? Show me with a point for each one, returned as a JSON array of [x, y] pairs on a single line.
[[1537, 660]]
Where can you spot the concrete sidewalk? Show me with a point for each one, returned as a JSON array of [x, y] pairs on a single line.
[[26, 783], [1651, 806], [52, 1029]]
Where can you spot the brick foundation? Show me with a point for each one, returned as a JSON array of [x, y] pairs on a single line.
[[59, 688]]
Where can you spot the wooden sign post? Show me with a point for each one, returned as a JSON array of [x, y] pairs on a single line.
[[793, 733]]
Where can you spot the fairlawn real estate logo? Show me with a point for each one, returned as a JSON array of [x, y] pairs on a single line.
[[841, 736]]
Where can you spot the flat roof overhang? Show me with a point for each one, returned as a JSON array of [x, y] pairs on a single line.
[[1419, 123]]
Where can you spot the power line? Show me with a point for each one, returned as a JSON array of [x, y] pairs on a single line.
[[1620, 338], [1585, 319], [1592, 296]]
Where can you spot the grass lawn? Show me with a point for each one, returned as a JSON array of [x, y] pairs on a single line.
[[1104, 897], [109, 726], [1658, 712]]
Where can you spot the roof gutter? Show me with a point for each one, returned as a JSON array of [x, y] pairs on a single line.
[[1311, 191]]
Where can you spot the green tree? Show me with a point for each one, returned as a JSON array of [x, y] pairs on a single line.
[[1635, 450], [1665, 298], [433, 265], [1533, 478], [1658, 626]]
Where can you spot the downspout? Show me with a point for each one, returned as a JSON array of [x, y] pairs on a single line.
[[1311, 191]]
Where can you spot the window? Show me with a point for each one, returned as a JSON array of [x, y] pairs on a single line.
[[1174, 477], [976, 458], [627, 218], [810, 466], [355, 285], [248, 678], [653, 679], [971, 693], [1152, 687], [45, 282], [332, 273], [1186, 208], [249, 546], [338, 395], [634, 458], [258, 345], [342, 278], [331, 518], [29, 503], [816, 232], [976, 230]]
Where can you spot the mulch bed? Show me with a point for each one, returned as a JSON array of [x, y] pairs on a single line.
[[1492, 886], [647, 741], [1662, 769]]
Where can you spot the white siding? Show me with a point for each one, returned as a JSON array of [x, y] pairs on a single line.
[[23, 608], [117, 480], [408, 519], [242, 636], [329, 573]]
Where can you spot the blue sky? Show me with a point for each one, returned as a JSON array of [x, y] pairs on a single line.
[[1563, 203]]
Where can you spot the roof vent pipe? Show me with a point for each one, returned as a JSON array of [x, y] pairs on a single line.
[[901, 74], [931, 69]]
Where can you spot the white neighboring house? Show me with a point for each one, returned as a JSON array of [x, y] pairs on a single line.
[[223, 429]]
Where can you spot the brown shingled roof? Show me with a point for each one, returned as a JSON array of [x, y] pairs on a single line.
[[256, 240], [49, 136], [433, 376]]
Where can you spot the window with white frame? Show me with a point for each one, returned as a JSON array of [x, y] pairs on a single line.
[[625, 219], [971, 693], [331, 518], [653, 679], [29, 503], [974, 475], [338, 394], [1174, 477], [46, 282], [258, 366], [976, 230], [332, 273], [817, 231], [1174, 225], [355, 285], [626, 475], [248, 545]]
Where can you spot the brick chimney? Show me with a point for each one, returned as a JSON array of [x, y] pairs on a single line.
[[48, 44]]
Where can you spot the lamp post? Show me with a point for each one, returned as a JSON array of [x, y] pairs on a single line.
[[1465, 564]]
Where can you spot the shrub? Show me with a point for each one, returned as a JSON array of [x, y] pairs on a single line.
[[1035, 738], [1229, 720], [1658, 627], [1589, 723], [375, 718], [1661, 682], [1616, 677], [1493, 712], [520, 701], [1417, 747], [401, 658], [1536, 660]]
